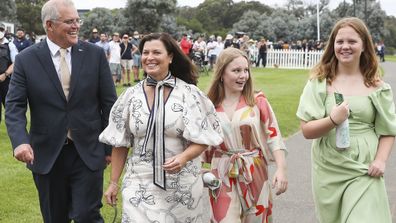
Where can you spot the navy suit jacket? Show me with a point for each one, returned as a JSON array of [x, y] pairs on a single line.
[[35, 83]]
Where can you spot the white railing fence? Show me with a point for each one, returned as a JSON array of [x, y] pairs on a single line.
[[293, 59]]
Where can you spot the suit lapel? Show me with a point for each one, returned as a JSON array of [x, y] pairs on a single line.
[[77, 57], [44, 56]]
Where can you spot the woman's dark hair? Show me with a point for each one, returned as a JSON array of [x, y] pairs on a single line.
[[181, 66]]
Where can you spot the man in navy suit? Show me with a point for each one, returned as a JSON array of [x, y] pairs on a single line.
[[66, 117]]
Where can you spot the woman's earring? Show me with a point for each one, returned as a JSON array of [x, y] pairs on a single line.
[[221, 79]]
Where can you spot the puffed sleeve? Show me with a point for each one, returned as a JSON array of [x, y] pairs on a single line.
[[201, 123], [311, 106], [385, 118], [269, 125], [117, 133]]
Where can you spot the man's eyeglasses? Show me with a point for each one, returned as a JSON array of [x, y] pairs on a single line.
[[125, 37], [71, 21]]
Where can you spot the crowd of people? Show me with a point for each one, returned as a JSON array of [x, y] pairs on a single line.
[[78, 125]]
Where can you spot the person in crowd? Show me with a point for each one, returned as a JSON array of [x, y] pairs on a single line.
[[219, 47], [162, 180], [8, 51], [253, 52], [185, 44], [126, 59], [67, 86], [199, 47], [33, 38], [252, 140], [104, 44], [136, 56], [348, 183], [228, 41], [115, 58], [381, 51], [94, 36], [20, 40], [262, 54], [211, 45]]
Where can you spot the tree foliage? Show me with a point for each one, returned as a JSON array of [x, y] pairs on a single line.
[[146, 15], [29, 15], [104, 20], [8, 11], [297, 20]]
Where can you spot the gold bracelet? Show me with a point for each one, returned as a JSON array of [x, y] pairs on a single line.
[[332, 121]]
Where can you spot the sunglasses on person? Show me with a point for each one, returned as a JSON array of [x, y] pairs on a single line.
[[125, 37]]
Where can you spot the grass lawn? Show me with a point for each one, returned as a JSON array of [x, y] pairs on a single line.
[[19, 199], [390, 58]]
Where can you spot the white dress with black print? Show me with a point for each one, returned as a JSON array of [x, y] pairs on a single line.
[[189, 117]]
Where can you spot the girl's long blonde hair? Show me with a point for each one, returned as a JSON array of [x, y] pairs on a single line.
[[216, 91], [327, 67]]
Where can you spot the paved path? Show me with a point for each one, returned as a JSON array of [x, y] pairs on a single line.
[[296, 205]]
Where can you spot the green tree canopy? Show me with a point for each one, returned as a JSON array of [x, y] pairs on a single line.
[[8, 11], [29, 15], [146, 16], [104, 20]]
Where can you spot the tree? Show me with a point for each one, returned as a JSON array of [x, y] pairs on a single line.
[[146, 15], [29, 15], [389, 37], [8, 11], [169, 25], [212, 14], [101, 19], [374, 16], [249, 23]]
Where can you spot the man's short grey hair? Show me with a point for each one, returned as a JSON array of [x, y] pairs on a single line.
[[50, 10]]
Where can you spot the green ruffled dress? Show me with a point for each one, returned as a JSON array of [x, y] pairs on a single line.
[[343, 192]]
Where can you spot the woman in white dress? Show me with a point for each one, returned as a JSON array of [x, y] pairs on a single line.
[[169, 122]]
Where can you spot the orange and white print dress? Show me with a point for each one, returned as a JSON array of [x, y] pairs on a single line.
[[241, 163]]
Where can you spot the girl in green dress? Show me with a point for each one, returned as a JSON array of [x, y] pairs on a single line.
[[348, 184]]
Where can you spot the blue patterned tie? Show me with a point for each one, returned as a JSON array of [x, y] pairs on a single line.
[[156, 128]]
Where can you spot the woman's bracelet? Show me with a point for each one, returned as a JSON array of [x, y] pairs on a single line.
[[332, 121], [114, 184]]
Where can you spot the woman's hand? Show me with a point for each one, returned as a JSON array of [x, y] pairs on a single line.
[[340, 113], [175, 163], [377, 168], [111, 194], [279, 181]]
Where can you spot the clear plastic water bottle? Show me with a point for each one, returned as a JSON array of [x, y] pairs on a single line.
[[342, 130]]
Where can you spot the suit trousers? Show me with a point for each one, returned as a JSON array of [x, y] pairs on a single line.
[[3, 93], [70, 191]]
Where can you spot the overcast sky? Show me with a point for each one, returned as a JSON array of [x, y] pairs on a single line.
[[388, 5]]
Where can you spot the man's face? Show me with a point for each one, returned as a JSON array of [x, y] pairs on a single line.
[[125, 38], [63, 34], [103, 37], [2, 33], [20, 34]]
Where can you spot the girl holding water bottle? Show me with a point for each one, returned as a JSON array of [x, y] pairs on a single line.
[[348, 166]]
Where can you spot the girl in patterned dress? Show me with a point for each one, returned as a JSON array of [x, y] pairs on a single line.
[[252, 141]]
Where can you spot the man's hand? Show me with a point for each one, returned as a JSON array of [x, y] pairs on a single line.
[[108, 160], [24, 153], [3, 76]]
